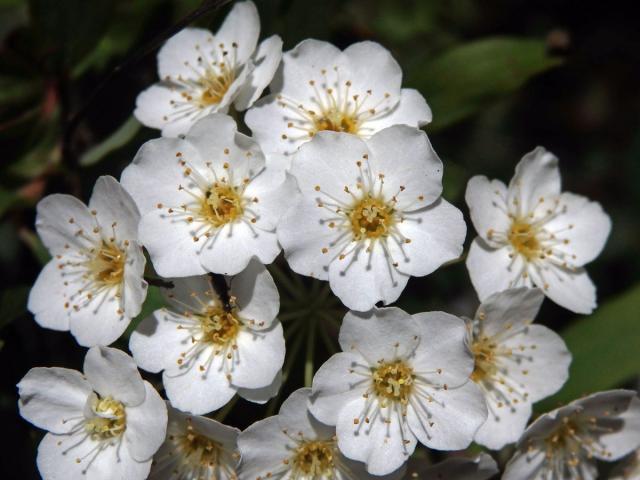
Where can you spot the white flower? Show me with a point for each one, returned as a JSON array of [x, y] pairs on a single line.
[[211, 344], [319, 87], [370, 215], [399, 379], [196, 448], [516, 363], [295, 445], [565, 443], [208, 203], [531, 233], [482, 467], [103, 425], [202, 73], [93, 285]]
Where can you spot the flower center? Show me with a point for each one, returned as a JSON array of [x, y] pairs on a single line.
[[219, 326], [107, 265], [371, 217], [314, 458], [198, 450], [523, 238], [336, 121], [393, 381], [222, 204], [215, 85], [484, 353], [109, 419]]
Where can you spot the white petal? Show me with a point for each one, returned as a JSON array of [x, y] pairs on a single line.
[[266, 59], [157, 342], [135, 287], [59, 218], [383, 444], [504, 425], [459, 468], [436, 235], [412, 110], [334, 385], [242, 27], [295, 417], [411, 168], [382, 333], [275, 192], [537, 176], [486, 200], [53, 398], [491, 270], [115, 209], [112, 463], [259, 357], [263, 447], [99, 321], [48, 297], [363, 278], [111, 372], [257, 295], [146, 425], [179, 55], [162, 106], [525, 465], [510, 309], [583, 225], [263, 394], [451, 420], [267, 120], [571, 289]]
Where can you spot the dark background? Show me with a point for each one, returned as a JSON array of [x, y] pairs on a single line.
[[574, 88]]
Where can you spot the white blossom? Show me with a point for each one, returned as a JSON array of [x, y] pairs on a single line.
[[202, 73], [400, 379], [104, 424], [93, 285], [196, 448], [532, 234], [370, 215], [211, 345], [482, 467], [318, 88], [516, 363], [565, 443], [294, 445], [208, 203]]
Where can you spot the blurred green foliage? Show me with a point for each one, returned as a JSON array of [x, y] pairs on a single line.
[[500, 77]]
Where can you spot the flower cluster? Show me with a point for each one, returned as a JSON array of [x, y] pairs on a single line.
[[337, 174]]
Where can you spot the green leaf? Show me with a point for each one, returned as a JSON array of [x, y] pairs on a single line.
[[153, 302], [7, 200], [36, 246], [468, 78], [13, 303], [605, 349], [117, 139]]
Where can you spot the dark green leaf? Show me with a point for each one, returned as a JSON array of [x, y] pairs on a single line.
[[34, 243], [116, 140], [468, 78], [605, 349], [13, 302]]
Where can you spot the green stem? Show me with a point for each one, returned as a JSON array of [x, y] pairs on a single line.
[[328, 341], [285, 281]]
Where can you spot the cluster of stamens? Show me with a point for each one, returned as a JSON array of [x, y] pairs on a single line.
[[108, 421], [393, 381], [371, 217], [314, 459]]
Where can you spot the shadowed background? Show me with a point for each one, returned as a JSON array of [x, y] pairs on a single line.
[[500, 76]]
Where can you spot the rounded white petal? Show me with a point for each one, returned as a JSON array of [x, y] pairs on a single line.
[[162, 106], [112, 463], [384, 444], [583, 226], [49, 297], [115, 210], [569, 288], [111, 372], [259, 357], [242, 28], [146, 425], [266, 59], [295, 417], [412, 110], [536, 176], [436, 235], [256, 295], [276, 192], [179, 55], [412, 170], [53, 398], [504, 424], [59, 218], [99, 321], [263, 447], [263, 394], [134, 290], [510, 309], [486, 200], [527, 465]]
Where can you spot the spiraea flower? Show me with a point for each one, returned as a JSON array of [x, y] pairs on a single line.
[[212, 344], [93, 285], [516, 363], [564, 444], [208, 203], [532, 234], [482, 467], [105, 424], [196, 448], [370, 215], [202, 73], [295, 445], [400, 379], [320, 88]]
